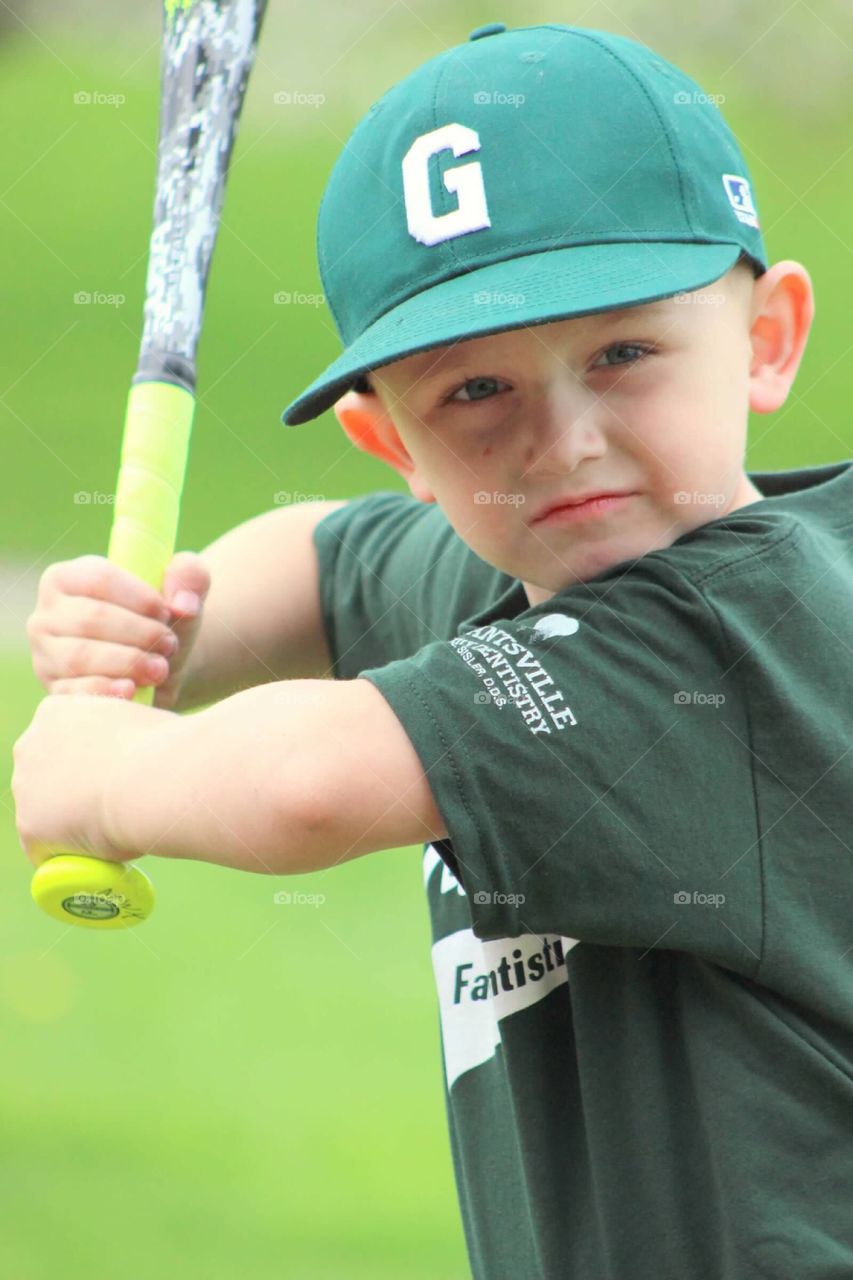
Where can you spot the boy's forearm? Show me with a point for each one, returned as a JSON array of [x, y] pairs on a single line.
[[222, 785]]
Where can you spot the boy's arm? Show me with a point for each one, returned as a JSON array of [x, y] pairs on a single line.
[[261, 619], [286, 778]]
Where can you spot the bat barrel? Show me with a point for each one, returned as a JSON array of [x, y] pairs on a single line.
[[208, 50]]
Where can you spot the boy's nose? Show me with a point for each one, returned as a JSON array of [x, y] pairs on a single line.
[[565, 427]]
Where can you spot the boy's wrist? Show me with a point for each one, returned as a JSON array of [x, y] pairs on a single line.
[[135, 787]]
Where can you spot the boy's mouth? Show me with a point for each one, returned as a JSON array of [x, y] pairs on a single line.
[[582, 506]]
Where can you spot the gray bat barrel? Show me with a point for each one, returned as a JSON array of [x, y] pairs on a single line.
[[208, 50]]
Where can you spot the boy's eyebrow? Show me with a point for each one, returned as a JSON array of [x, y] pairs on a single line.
[[437, 366]]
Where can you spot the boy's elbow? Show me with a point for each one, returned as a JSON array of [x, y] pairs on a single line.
[[304, 834]]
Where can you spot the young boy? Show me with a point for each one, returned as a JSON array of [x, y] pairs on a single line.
[[601, 671]]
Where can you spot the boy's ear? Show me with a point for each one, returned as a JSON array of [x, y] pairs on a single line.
[[370, 428], [366, 422], [782, 314]]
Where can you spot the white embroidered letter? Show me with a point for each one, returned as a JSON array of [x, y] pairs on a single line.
[[465, 181]]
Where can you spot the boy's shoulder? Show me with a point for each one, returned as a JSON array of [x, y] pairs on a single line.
[[802, 515]]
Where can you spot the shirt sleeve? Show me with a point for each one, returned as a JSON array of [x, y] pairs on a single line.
[[590, 760], [394, 576]]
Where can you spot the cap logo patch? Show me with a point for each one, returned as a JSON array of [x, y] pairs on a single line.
[[740, 198], [465, 181]]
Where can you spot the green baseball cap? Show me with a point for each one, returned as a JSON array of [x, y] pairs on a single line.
[[526, 175]]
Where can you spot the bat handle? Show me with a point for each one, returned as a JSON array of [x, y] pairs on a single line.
[[71, 887]]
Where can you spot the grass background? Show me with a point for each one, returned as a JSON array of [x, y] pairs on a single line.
[[239, 1087]]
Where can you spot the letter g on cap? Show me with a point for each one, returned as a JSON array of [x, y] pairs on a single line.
[[465, 181]]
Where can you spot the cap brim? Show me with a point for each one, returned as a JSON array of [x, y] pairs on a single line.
[[529, 290]]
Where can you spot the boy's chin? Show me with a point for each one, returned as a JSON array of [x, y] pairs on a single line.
[[593, 562]]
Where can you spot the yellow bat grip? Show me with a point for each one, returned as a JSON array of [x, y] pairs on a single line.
[[151, 477], [74, 888]]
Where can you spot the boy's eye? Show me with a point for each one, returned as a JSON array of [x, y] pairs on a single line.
[[477, 389], [483, 388], [623, 347]]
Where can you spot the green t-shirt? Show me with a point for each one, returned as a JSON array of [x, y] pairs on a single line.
[[642, 916]]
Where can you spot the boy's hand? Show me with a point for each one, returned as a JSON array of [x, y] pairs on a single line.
[[96, 627], [62, 768]]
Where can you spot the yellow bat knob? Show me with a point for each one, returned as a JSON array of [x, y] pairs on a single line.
[[93, 892]]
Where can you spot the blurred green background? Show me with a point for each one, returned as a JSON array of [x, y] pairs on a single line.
[[241, 1088]]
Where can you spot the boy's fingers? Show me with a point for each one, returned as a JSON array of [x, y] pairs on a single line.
[[100, 579], [186, 584], [75, 659], [101, 685], [98, 620]]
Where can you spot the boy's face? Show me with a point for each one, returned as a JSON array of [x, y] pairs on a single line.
[[651, 402]]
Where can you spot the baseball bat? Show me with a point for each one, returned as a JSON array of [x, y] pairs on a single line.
[[207, 55]]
